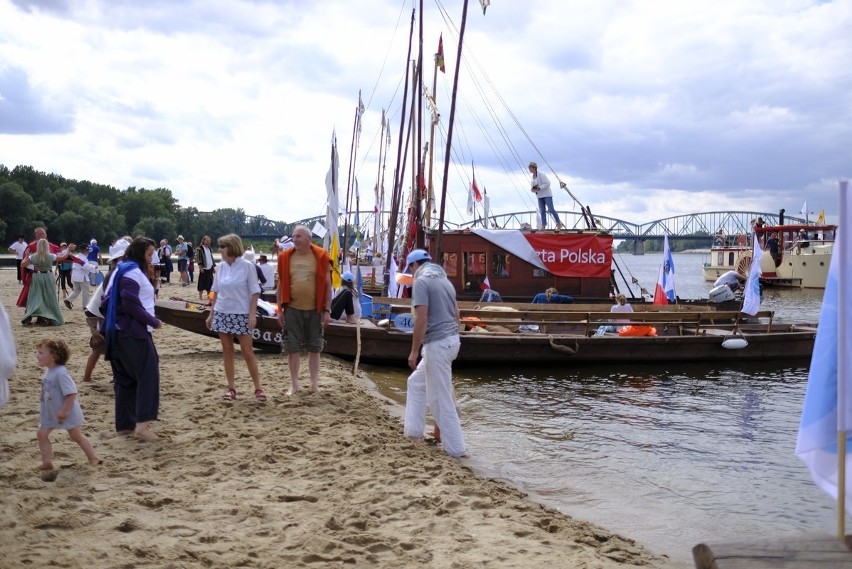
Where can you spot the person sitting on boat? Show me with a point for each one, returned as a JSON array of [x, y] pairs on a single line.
[[268, 272], [552, 296], [621, 305], [345, 299], [720, 236], [490, 295], [732, 279]]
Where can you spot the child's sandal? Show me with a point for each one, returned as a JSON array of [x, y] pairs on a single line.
[[230, 395], [259, 395]]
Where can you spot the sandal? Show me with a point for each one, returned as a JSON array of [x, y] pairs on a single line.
[[230, 395], [259, 395]]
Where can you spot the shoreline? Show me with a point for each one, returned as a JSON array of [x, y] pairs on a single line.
[[312, 480]]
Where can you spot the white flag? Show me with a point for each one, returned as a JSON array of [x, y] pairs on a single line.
[[827, 407], [751, 299], [470, 201], [804, 210], [319, 230]]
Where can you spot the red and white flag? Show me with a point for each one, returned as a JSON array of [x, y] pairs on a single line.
[[485, 284]]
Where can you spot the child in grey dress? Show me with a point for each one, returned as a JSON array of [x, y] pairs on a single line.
[[60, 408]]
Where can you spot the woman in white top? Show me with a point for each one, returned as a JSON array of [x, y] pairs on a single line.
[[233, 311]]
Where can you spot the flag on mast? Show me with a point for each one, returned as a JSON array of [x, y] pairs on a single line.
[[804, 211], [332, 213], [439, 57], [477, 195], [827, 407], [751, 297], [664, 293], [821, 219], [485, 284]]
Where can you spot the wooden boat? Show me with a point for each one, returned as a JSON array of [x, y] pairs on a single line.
[[572, 337], [192, 317], [804, 255]]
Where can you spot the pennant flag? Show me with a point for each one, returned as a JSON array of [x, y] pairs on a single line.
[[477, 195], [827, 407], [332, 213], [439, 57], [485, 285], [664, 293], [804, 210], [485, 5], [751, 298], [470, 199], [821, 219]]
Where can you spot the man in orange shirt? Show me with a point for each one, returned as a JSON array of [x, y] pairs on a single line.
[[304, 298]]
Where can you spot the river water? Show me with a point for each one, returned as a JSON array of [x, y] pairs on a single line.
[[668, 455]]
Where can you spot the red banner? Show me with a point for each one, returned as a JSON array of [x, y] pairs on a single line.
[[570, 255]]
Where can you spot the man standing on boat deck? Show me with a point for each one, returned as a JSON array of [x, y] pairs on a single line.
[[436, 330], [541, 188]]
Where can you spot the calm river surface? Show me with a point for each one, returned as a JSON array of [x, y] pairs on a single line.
[[668, 455]]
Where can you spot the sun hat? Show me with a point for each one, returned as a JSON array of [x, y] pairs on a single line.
[[93, 242], [249, 255], [117, 250], [347, 277]]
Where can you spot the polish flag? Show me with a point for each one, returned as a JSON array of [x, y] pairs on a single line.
[[664, 293], [485, 285]]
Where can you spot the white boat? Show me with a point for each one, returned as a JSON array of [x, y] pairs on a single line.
[[804, 253]]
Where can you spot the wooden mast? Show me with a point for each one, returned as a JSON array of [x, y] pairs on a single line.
[[438, 253], [399, 175]]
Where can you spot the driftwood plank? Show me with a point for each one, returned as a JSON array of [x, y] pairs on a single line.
[[805, 552]]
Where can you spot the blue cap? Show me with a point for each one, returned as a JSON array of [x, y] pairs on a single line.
[[417, 256], [348, 277]]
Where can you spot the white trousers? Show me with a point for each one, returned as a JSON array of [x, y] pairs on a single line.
[[431, 384], [81, 287]]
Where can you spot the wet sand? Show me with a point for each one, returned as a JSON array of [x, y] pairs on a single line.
[[313, 480]]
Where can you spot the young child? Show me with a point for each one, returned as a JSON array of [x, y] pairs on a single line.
[[60, 408]]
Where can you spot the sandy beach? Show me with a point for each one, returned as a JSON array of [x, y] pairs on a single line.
[[313, 480]]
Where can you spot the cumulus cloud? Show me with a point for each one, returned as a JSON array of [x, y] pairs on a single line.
[[643, 109]]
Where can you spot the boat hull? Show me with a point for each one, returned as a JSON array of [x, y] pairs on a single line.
[[391, 347], [192, 317]]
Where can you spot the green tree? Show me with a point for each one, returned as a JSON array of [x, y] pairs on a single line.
[[156, 228], [16, 210], [138, 204]]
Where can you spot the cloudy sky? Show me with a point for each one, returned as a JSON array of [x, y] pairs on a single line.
[[645, 108]]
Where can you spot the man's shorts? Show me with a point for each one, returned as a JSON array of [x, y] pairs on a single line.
[[304, 330]]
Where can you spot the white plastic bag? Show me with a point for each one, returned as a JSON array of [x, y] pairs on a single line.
[[8, 356]]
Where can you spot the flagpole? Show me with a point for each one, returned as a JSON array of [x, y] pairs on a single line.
[[842, 363]]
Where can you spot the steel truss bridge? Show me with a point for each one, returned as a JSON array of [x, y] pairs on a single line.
[[689, 226]]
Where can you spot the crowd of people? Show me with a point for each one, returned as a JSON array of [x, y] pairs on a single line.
[[121, 319]]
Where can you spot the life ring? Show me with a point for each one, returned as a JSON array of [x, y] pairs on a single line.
[[640, 330], [741, 239]]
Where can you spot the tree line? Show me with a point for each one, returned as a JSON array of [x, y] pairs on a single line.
[[77, 211]]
